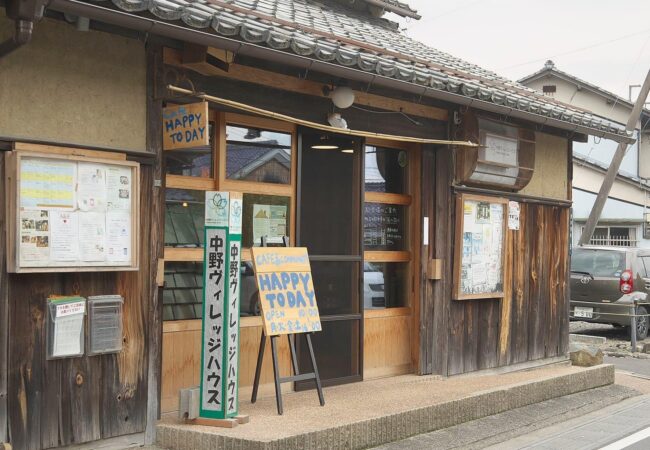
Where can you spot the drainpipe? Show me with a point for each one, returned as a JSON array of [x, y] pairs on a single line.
[[22, 35]]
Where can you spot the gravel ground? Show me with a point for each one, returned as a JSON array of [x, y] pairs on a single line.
[[618, 339]]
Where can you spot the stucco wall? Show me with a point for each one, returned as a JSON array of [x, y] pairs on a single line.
[[550, 175], [83, 88]]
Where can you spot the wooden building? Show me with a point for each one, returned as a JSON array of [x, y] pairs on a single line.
[[428, 257]]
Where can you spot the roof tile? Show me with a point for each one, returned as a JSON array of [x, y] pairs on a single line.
[[333, 33]]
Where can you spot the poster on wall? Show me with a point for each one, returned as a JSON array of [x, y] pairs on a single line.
[[73, 213], [479, 270], [269, 221], [47, 184]]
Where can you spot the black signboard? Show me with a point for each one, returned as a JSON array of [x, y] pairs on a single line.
[[383, 227]]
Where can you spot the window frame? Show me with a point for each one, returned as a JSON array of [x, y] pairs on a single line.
[[220, 182], [409, 199]]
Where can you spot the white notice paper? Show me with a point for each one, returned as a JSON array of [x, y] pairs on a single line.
[[118, 185], [68, 325], [64, 236], [513, 215], [92, 236], [91, 187], [118, 236]]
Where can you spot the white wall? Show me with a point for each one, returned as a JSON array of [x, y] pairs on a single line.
[[615, 213]]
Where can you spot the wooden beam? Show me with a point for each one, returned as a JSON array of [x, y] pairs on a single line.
[[206, 61], [249, 74]]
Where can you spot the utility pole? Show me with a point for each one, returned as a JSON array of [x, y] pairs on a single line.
[[610, 176]]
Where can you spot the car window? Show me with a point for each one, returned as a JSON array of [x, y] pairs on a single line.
[[598, 263], [646, 264]]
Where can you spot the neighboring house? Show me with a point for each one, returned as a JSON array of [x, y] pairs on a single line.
[[623, 220]]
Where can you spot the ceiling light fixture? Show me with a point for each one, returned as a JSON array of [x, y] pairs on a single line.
[[337, 121], [325, 143], [342, 96], [347, 150]]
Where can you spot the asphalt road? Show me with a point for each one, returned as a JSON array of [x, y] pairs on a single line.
[[633, 365]]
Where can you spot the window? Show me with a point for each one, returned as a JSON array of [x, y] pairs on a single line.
[[614, 236], [182, 295], [386, 270], [192, 162], [246, 154], [184, 218], [385, 170], [254, 154], [598, 263]]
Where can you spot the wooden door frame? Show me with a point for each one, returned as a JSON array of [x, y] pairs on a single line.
[[337, 258]]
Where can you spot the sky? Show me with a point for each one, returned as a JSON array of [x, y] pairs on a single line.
[[604, 42]]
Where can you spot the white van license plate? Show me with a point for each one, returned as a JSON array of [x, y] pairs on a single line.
[[581, 311]]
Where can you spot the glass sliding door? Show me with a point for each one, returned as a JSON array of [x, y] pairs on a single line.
[[329, 225]]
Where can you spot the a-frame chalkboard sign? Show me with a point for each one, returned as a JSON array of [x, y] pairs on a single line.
[[288, 306]]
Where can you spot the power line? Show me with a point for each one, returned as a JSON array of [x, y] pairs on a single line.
[[569, 52]]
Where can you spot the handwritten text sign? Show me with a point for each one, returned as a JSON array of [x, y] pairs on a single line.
[[185, 126], [286, 289], [214, 278]]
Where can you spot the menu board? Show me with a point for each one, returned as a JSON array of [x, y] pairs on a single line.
[[479, 257], [74, 213], [383, 227]]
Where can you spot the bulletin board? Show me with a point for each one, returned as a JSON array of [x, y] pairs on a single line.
[[68, 212], [480, 247]]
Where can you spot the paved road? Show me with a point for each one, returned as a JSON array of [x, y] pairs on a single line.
[[622, 426], [629, 364], [534, 423]]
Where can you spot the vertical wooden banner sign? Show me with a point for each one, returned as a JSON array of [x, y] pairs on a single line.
[[220, 323], [232, 307]]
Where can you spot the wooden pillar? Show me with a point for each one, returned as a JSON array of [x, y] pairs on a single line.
[[155, 86], [4, 309]]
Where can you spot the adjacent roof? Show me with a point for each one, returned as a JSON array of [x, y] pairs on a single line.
[[550, 69], [332, 33]]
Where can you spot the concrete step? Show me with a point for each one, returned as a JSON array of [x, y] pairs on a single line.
[[373, 413]]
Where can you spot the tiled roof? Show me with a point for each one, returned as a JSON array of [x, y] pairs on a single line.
[[335, 34], [549, 68]]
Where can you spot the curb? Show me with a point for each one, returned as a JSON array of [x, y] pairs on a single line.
[[382, 430], [586, 339]]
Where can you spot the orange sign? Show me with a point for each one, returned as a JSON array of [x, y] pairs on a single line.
[[185, 126], [286, 290]]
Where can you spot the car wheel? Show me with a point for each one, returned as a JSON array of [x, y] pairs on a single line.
[[642, 323]]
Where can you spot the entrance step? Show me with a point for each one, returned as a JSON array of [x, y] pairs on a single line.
[[372, 413]]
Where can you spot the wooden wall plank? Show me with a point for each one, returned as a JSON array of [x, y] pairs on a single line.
[[520, 287], [26, 383], [386, 343], [4, 308], [442, 225], [564, 292], [154, 248], [488, 333], [426, 318], [553, 262]]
